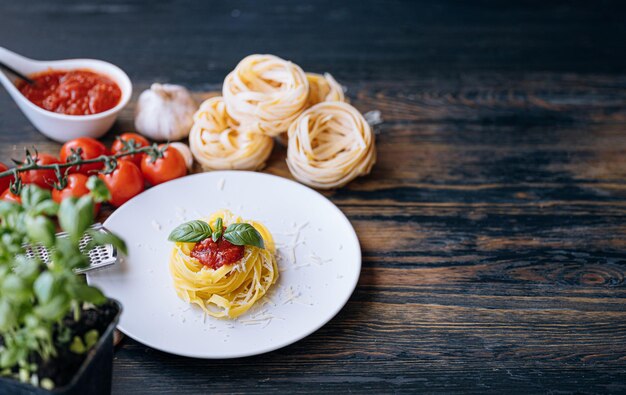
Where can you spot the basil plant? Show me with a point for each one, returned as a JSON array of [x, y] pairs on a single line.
[[35, 297]]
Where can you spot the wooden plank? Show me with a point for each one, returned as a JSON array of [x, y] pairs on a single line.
[[493, 249], [186, 41]]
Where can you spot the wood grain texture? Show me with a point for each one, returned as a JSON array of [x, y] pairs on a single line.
[[492, 226]]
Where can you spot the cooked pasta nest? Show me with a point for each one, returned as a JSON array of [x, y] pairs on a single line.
[[230, 290]]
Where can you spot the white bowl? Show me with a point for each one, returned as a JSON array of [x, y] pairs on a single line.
[[61, 127]]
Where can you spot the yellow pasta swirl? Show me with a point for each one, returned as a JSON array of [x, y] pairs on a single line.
[[230, 290], [217, 142], [267, 92], [324, 88], [329, 145], [321, 88]]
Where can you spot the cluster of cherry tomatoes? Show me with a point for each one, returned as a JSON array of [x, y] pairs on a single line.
[[127, 180]]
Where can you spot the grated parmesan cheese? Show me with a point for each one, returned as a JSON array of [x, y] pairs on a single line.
[[262, 317], [180, 213], [156, 225], [291, 295]]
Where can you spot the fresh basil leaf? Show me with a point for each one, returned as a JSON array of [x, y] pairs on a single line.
[[244, 234], [65, 333], [40, 332], [40, 229], [26, 267], [8, 318], [76, 215], [67, 254], [77, 346], [4, 271], [44, 287], [32, 195], [47, 207], [55, 309], [191, 232], [86, 210], [86, 293], [15, 288], [98, 189], [8, 358], [103, 238], [9, 207], [14, 220], [91, 338], [46, 384], [219, 230], [31, 320], [67, 213]]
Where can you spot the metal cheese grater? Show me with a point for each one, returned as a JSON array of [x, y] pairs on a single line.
[[99, 257]]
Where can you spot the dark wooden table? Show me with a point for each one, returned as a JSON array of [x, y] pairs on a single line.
[[492, 227]]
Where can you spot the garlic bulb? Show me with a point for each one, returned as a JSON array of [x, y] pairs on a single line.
[[165, 112], [185, 152]]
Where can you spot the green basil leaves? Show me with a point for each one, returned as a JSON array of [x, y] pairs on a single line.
[[237, 234], [219, 230], [244, 234], [191, 232]]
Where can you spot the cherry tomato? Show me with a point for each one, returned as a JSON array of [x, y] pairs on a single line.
[[124, 182], [170, 166], [5, 181], [139, 140], [10, 196], [91, 148], [76, 187], [41, 178]]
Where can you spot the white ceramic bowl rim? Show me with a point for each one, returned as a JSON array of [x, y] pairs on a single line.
[[123, 82]]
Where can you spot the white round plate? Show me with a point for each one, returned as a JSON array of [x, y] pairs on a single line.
[[319, 259]]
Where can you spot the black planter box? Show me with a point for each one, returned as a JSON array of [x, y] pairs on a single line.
[[93, 377]]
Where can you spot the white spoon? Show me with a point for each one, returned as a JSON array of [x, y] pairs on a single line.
[[61, 127]]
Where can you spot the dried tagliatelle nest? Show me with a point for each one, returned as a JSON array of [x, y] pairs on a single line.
[[330, 144], [266, 91], [321, 88], [324, 88], [218, 142]]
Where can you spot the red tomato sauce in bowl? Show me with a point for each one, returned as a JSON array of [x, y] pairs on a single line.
[[74, 92]]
